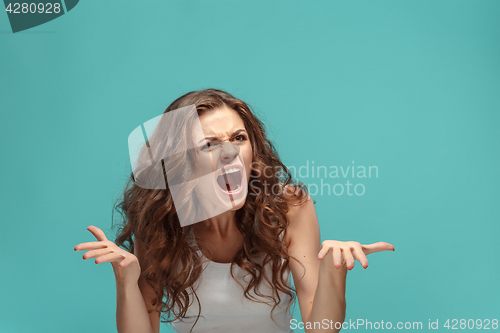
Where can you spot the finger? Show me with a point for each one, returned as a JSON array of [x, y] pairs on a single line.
[[126, 261], [337, 257], [360, 256], [96, 253], [90, 246], [377, 247], [98, 233], [323, 252], [110, 257], [349, 259]]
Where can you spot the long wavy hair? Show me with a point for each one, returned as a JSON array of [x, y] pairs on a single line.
[[173, 265]]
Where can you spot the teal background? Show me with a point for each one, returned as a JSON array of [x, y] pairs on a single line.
[[412, 87]]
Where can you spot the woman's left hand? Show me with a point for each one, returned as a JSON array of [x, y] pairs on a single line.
[[344, 253]]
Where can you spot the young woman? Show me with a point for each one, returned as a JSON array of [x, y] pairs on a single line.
[[216, 254]]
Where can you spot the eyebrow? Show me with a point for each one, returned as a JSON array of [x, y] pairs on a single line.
[[214, 138]]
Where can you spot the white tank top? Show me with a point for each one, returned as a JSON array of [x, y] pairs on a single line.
[[224, 308]]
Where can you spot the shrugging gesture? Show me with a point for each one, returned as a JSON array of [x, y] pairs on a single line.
[[125, 264], [344, 253]]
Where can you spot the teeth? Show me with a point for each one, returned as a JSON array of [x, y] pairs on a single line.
[[233, 170]]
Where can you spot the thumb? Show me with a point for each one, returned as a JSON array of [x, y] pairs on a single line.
[[377, 247]]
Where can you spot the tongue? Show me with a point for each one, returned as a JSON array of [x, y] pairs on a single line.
[[230, 182]]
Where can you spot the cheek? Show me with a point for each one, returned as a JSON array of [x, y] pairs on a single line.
[[203, 164], [246, 152]]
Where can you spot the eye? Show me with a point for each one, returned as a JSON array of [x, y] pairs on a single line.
[[240, 137], [206, 146], [209, 146]]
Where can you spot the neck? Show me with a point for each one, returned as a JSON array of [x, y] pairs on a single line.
[[222, 225]]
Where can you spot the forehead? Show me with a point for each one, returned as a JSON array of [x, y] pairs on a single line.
[[219, 122]]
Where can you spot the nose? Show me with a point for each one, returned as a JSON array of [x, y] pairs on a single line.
[[229, 151]]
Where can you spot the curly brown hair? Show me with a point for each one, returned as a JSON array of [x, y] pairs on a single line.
[[173, 265]]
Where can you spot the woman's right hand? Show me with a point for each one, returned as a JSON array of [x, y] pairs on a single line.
[[125, 264]]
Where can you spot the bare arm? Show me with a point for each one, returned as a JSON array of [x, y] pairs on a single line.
[[134, 310], [133, 296], [131, 312], [321, 290]]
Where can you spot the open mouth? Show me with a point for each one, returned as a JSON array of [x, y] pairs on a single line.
[[230, 180]]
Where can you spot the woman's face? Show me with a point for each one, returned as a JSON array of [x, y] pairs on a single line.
[[223, 157]]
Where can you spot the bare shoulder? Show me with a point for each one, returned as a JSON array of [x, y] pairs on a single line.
[[299, 202], [304, 243], [301, 213]]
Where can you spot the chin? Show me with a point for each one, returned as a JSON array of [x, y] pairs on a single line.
[[239, 205]]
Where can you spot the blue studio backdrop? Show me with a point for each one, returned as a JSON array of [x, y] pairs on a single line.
[[407, 90]]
